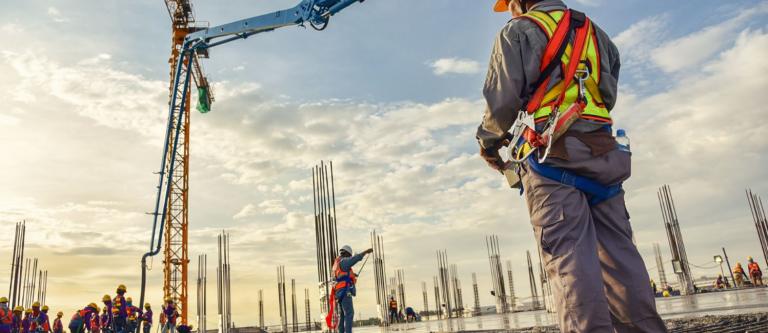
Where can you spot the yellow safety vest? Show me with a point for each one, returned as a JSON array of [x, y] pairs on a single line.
[[595, 109]]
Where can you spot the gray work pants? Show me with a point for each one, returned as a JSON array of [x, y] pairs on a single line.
[[598, 278]]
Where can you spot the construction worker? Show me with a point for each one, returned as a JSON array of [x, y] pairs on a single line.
[[574, 197], [392, 310], [109, 324], [17, 321], [40, 321], [146, 318], [719, 283], [26, 323], [755, 273], [119, 320], [133, 315], [104, 321], [95, 324], [81, 320], [344, 289], [738, 275], [410, 315], [653, 287], [6, 316], [58, 326], [169, 316]]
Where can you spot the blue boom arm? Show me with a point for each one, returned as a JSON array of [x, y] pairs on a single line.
[[315, 12]]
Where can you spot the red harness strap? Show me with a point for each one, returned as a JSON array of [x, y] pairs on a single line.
[[550, 53]]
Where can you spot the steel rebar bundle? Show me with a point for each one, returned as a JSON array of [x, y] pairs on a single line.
[[497, 273], [458, 300], [660, 265], [261, 309], [281, 298], [17, 265], [380, 276], [512, 298], [426, 299], [438, 305], [445, 282], [307, 313], [674, 235], [476, 310], [202, 293], [532, 280], [224, 293], [294, 308], [326, 236], [400, 288], [759, 217]]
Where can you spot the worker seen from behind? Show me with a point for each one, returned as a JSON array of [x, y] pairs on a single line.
[[58, 326], [108, 322], [169, 316], [119, 321], [17, 320], [738, 275], [26, 323], [344, 289], [6, 316], [146, 318], [392, 310], [81, 320], [95, 324], [104, 321], [410, 315], [133, 315], [755, 273], [573, 186]]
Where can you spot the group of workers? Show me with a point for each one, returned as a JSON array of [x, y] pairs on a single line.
[[118, 315], [755, 274], [396, 314], [32, 320]]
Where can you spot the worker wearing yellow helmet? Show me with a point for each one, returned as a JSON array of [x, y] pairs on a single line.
[[82, 318], [146, 318], [169, 316], [120, 319], [6, 316], [133, 315], [107, 319], [554, 114], [58, 326], [39, 320]]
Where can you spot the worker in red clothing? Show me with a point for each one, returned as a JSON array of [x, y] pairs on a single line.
[[755, 273], [58, 326], [133, 315], [95, 324], [168, 316], [6, 316], [81, 320]]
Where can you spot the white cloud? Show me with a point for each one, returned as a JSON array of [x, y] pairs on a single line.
[[692, 50], [455, 66], [248, 211], [636, 43], [56, 15]]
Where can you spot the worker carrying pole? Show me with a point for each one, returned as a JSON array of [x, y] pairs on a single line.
[[344, 289], [561, 71]]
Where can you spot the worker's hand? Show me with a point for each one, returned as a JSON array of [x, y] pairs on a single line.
[[368, 251], [492, 157]]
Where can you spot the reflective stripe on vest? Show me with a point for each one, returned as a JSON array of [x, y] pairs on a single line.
[[341, 276], [595, 109]]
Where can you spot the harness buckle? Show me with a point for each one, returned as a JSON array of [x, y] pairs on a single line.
[[582, 75]]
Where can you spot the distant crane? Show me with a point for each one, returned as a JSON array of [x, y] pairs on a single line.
[[189, 43], [176, 254]]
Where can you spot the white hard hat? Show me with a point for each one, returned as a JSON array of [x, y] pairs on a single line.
[[346, 248]]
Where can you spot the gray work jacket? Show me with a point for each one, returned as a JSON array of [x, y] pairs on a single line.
[[514, 66]]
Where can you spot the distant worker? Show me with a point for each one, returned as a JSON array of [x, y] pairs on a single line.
[[120, 321], [410, 315], [146, 318], [107, 323], [26, 323], [345, 289], [653, 286], [6, 316], [80, 321], [104, 321], [574, 196], [755, 273], [738, 275], [17, 319], [719, 282], [133, 315], [169, 316], [392, 310], [58, 326]]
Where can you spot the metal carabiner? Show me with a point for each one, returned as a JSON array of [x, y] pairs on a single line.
[[582, 75]]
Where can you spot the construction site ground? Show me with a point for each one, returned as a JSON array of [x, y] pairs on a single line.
[[744, 310]]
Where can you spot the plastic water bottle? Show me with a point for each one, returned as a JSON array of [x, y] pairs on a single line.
[[622, 140]]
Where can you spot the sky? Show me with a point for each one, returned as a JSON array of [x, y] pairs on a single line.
[[391, 93]]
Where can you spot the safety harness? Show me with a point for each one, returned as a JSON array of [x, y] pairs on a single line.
[[525, 137]]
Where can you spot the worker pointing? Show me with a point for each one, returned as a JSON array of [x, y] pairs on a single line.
[[556, 72], [344, 289]]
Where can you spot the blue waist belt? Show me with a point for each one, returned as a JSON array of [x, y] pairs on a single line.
[[597, 192]]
